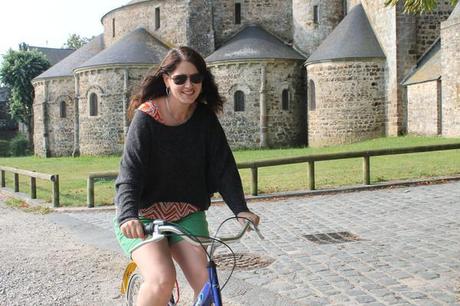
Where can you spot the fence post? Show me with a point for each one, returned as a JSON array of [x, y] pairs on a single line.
[[55, 187], [366, 170], [16, 182], [3, 183], [33, 187], [311, 175], [90, 192], [254, 181]]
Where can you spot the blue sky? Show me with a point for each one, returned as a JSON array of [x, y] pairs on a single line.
[[48, 23]]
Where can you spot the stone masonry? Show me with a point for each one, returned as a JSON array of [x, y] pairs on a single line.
[[350, 102], [423, 114]]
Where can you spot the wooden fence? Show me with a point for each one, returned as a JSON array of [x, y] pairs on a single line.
[[310, 159], [53, 178]]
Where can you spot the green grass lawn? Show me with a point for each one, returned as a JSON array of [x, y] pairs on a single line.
[[73, 172]]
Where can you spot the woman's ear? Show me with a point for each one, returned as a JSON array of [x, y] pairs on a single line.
[[166, 80]]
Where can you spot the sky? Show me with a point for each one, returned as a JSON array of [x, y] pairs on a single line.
[[48, 23]]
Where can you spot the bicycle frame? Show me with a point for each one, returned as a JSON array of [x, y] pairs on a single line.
[[211, 291]]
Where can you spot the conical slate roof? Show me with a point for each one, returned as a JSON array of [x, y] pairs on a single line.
[[455, 13], [137, 47], [352, 38], [253, 42], [428, 67], [65, 67]]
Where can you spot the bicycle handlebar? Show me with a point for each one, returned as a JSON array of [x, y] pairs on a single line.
[[158, 228]]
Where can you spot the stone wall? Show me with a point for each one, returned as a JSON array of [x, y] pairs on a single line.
[[101, 134], [350, 98], [173, 21], [285, 127], [49, 127], [429, 26], [200, 34], [308, 35], [61, 130], [273, 15], [424, 108], [450, 48]]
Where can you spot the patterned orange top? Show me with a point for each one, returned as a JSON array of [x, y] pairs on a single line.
[[169, 211]]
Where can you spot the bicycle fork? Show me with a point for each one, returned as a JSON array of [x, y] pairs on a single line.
[[211, 290]]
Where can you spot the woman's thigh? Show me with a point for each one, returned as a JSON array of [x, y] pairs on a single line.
[[192, 260], [154, 261]]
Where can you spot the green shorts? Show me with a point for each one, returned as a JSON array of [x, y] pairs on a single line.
[[195, 224]]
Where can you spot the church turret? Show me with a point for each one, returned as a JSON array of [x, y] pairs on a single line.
[[313, 21]]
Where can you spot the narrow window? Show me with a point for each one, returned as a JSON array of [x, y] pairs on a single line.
[[312, 95], [157, 18], [237, 13], [62, 109], [113, 27], [239, 101], [93, 104], [345, 7], [285, 99], [316, 14]]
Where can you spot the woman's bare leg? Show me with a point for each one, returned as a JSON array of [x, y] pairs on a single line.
[[192, 260], [157, 268]]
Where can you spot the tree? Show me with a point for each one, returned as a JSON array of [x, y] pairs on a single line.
[[418, 6], [75, 41], [16, 72]]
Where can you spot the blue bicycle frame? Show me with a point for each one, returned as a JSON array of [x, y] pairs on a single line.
[[211, 290]]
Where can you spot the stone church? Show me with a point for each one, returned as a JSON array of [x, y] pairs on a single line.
[[293, 72]]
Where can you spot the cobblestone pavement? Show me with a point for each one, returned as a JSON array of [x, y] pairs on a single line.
[[407, 248]]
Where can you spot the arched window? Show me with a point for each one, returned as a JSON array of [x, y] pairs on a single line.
[[157, 18], [93, 104], [237, 13], [312, 95], [315, 14], [62, 109], [285, 99], [239, 101], [113, 27]]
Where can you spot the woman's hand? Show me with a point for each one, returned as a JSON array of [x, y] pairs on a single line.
[[132, 229], [244, 215]]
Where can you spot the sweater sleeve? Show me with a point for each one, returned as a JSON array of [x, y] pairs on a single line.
[[225, 176], [130, 181]]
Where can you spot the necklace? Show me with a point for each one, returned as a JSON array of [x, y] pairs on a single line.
[[170, 113]]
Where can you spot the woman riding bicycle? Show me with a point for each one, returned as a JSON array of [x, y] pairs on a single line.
[[176, 156]]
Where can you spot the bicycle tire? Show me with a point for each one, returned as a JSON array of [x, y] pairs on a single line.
[[134, 284]]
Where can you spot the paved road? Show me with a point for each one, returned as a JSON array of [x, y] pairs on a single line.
[[405, 248]]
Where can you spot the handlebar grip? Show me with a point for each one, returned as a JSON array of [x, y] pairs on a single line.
[[149, 228]]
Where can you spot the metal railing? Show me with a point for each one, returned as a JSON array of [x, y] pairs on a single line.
[[53, 178], [310, 159]]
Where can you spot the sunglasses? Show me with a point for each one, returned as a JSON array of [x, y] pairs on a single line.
[[180, 79]]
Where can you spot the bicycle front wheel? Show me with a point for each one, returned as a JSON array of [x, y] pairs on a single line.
[[132, 292]]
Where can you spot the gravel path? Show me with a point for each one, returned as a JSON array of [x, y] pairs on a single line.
[[43, 264]]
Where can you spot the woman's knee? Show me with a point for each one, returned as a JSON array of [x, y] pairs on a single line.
[[160, 285]]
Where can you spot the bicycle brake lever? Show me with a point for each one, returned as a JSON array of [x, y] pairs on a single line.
[[256, 229]]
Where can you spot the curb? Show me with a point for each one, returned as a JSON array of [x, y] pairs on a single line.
[[263, 197]]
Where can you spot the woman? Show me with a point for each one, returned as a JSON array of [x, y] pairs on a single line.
[[176, 155]]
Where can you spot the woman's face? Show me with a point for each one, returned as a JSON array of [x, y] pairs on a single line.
[[184, 82]]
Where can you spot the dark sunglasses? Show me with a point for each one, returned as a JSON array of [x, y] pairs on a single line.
[[180, 79]]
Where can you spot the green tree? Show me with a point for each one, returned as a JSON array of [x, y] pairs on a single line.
[[75, 41], [418, 6], [16, 72]]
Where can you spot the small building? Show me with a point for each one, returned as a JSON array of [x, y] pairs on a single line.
[[424, 94]]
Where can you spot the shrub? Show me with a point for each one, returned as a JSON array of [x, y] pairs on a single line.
[[19, 146]]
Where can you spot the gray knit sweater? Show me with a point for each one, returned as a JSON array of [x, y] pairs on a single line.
[[184, 163]]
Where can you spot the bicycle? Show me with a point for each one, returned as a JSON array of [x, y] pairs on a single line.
[[210, 294]]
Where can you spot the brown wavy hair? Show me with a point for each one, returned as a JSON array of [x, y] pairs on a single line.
[[153, 86]]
